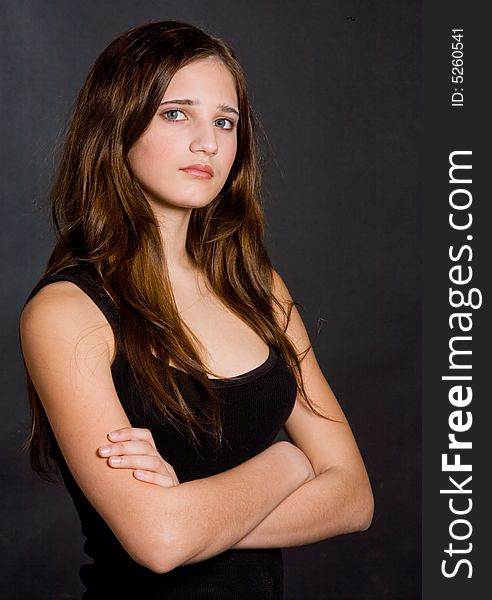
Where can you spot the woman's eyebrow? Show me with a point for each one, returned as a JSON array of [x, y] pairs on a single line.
[[188, 102]]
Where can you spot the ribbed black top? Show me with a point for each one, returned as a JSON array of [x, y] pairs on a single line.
[[254, 407]]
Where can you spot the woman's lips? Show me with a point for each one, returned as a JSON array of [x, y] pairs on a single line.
[[198, 173], [201, 170]]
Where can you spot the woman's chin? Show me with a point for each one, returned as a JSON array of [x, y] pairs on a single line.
[[180, 203]]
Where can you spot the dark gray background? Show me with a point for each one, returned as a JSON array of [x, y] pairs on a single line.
[[336, 85]]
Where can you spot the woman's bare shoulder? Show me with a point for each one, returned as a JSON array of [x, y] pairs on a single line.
[[62, 308], [60, 298]]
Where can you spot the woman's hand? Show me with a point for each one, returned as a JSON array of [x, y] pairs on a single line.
[[134, 448]]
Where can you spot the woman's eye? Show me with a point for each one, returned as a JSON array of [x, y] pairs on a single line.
[[172, 114], [228, 123]]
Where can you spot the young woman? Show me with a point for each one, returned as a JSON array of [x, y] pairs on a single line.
[[164, 353]]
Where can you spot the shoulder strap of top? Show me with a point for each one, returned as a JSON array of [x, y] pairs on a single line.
[[85, 278]]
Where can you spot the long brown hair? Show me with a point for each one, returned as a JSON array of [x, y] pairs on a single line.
[[104, 220]]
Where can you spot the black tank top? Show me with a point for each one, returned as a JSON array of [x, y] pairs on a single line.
[[254, 407]]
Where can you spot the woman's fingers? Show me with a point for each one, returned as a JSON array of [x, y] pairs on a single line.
[[131, 433], [132, 447], [139, 455], [155, 478], [154, 468], [128, 453], [135, 461]]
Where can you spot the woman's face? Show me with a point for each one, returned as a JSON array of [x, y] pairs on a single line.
[[196, 124]]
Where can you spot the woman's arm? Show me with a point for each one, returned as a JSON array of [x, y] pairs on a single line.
[[67, 346], [323, 507], [339, 499]]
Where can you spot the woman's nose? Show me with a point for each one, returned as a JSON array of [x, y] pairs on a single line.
[[204, 139]]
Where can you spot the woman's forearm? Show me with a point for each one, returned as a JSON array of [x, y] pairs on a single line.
[[214, 513], [331, 504]]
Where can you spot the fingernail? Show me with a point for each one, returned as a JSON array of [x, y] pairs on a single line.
[[104, 450], [140, 474], [114, 460], [113, 434]]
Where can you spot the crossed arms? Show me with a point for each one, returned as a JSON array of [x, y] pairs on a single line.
[[290, 494]]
